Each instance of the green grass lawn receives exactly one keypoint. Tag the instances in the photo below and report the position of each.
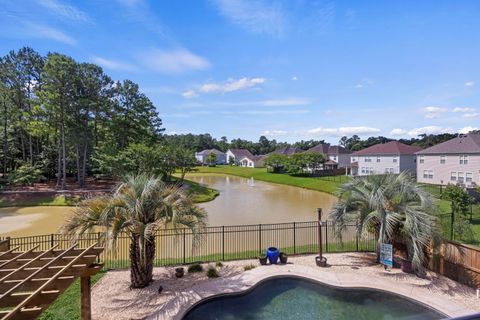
(67, 306)
(318, 184)
(200, 192)
(31, 200)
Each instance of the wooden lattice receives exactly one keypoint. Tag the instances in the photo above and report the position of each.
(30, 281)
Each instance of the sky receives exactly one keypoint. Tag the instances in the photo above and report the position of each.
(289, 70)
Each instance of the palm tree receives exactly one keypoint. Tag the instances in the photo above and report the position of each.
(139, 207)
(395, 208)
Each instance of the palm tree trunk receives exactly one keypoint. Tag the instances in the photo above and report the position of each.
(141, 274)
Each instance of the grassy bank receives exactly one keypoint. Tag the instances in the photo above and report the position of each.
(67, 306)
(33, 199)
(318, 184)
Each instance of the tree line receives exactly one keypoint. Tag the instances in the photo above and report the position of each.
(62, 117)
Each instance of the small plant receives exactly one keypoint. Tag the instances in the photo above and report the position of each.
(248, 267)
(219, 264)
(196, 267)
(212, 272)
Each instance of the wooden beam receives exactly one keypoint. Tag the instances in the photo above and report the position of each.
(86, 299)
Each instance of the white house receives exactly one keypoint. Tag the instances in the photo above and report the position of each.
(337, 156)
(202, 156)
(252, 162)
(383, 158)
(235, 155)
(456, 161)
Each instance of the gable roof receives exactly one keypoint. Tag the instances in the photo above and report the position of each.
(287, 150)
(328, 149)
(208, 151)
(392, 147)
(464, 143)
(240, 153)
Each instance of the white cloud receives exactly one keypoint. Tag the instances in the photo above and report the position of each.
(471, 115)
(463, 110)
(469, 84)
(231, 85)
(428, 130)
(66, 11)
(44, 32)
(189, 94)
(398, 132)
(285, 102)
(114, 64)
(274, 133)
(363, 83)
(336, 132)
(433, 112)
(173, 61)
(294, 78)
(259, 16)
(466, 130)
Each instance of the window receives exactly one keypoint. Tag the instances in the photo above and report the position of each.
(370, 170)
(354, 159)
(443, 159)
(453, 176)
(368, 159)
(378, 159)
(460, 177)
(468, 177)
(428, 174)
(395, 159)
(422, 159)
(363, 169)
(389, 170)
(463, 159)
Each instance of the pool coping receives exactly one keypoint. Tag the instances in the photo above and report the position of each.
(246, 281)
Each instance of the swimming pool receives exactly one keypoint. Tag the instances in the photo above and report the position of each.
(289, 298)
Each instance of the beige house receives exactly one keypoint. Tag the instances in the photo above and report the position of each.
(252, 161)
(384, 158)
(456, 161)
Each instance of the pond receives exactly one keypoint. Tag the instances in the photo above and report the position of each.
(241, 201)
(248, 201)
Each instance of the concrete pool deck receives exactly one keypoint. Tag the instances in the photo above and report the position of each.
(112, 299)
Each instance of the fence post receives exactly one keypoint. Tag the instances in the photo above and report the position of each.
(184, 245)
(51, 240)
(223, 243)
(260, 239)
(98, 242)
(356, 234)
(326, 236)
(294, 240)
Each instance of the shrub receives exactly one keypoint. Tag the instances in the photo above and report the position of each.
(26, 175)
(212, 272)
(219, 264)
(248, 267)
(196, 267)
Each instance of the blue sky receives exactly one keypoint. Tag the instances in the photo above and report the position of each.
(289, 70)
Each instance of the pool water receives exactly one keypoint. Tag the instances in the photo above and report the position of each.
(293, 298)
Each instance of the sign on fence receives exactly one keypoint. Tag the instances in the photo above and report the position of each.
(386, 254)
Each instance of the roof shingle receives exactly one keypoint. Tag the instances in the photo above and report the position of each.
(392, 147)
(464, 143)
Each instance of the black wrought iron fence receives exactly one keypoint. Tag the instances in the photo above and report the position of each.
(221, 243)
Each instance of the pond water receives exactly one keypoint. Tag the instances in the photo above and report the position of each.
(292, 298)
(248, 201)
(241, 201)
(23, 221)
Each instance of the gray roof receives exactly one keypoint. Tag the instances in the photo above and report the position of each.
(208, 151)
(240, 153)
(328, 149)
(464, 143)
(287, 151)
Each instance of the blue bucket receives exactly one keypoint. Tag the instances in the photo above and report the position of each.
(273, 254)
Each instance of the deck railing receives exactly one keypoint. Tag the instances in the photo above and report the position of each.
(218, 243)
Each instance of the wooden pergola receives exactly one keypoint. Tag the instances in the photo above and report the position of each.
(32, 280)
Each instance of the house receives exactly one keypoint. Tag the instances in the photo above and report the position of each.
(202, 156)
(236, 155)
(382, 158)
(337, 156)
(456, 161)
(252, 161)
(288, 151)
